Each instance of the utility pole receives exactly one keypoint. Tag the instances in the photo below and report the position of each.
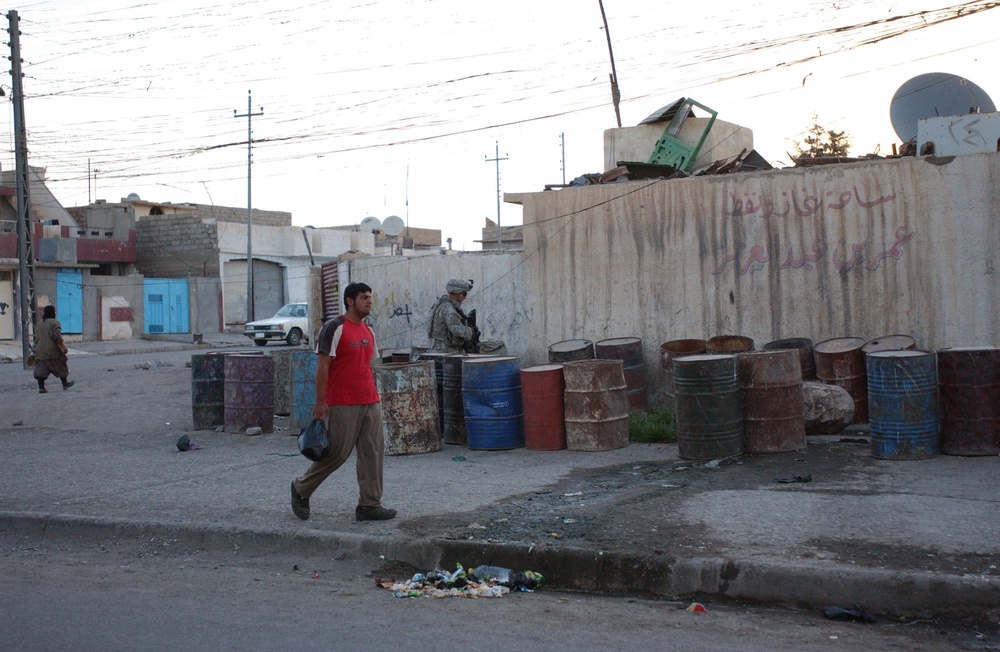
(25, 248)
(249, 115)
(616, 94)
(497, 160)
(562, 141)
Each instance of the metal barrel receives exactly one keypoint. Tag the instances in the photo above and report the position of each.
(542, 389)
(208, 378)
(629, 351)
(969, 391)
(804, 347)
(454, 413)
(903, 405)
(709, 411)
(569, 350)
(249, 392)
(282, 379)
(302, 390)
(596, 405)
(409, 407)
(438, 360)
(669, 351)
(400, 355)
(491, 395)
(771, 384)
(890, 343)
(726, 344)
(841, 362)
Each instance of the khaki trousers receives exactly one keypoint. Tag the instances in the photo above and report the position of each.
(351, 427)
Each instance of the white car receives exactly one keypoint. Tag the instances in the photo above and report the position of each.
(290, 324)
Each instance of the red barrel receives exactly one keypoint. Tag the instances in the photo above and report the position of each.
(841, 362)
(890, 343)
(729, 344)
(669, 351)
(804, 347)
(771, 383)
(542, 388)
(596, 405)
(629, 351)
(969, 386)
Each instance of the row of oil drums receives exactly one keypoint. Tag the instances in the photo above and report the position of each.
(917, 403)
(244, 390)
(487, 402)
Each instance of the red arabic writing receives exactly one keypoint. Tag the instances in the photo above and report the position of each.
(805, 205)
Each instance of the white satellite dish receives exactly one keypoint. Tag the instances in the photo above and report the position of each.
(371, 224)
(393, 225)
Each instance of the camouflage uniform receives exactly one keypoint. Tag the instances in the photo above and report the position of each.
(448, 332)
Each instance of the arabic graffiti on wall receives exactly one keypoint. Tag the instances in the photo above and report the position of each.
(387, 305)
(843, 254)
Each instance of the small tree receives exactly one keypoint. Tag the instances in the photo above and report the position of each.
(820, 141)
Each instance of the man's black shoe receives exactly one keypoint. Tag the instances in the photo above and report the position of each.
(68, 384)
(300, 505)
(374, 513)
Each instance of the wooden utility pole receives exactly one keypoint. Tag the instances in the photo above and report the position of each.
(497, 159)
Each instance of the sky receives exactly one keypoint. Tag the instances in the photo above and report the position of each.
(378, 108)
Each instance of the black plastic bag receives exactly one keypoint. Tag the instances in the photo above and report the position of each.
(314, 441)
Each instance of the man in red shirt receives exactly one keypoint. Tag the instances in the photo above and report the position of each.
(346, 397)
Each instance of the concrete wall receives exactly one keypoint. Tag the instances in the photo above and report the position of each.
(864, 250)
(177, 246)
(118, 307)
(206, 305)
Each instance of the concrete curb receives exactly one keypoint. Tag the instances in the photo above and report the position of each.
(915, 594)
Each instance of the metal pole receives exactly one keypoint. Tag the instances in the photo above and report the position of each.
(25, 248)
(562, 141)
(497, 159)
(616, 94)
(249, 116)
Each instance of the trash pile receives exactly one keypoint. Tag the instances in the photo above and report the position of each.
(481, 582)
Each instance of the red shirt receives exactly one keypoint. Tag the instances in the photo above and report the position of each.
(352, 349)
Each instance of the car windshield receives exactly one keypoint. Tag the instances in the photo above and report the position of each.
(292, 310)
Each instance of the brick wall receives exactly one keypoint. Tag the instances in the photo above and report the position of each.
(175, 246)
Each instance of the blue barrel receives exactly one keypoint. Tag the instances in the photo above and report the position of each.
(491, 398)
(903, 405)
(302, 389)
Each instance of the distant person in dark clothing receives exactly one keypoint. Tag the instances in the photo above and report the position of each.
(50, 351)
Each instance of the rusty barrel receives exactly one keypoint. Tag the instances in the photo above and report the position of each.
(903, 405)
(841, 362)
(669, 351)
(491, 395)
(542, 388)
(804, 347)
(208, 376)
(629, 351)
(969, 391)
(709, 411)
(302, 389)
(409, 407)
(400, 355)
(249, 392)
(438, 360)
(569, 350)
(282, 380)
(890, 343)
(596, 405)
(771, 386)
(454, 413)
(729, 344)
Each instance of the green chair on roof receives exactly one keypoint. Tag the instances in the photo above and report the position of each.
(671, 151)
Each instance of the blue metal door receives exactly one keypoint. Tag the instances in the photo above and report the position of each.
(165, 303)
(69, 300)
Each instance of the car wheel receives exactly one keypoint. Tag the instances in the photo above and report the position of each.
(294, 338)
(260, 342)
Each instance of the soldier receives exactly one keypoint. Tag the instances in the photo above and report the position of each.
(449, 331)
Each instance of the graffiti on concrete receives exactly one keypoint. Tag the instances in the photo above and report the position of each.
(388, 305)
(3, 308)
(844, 257)
(805, 204)
(521, 317)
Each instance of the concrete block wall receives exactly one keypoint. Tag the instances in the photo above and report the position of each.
(176, 246)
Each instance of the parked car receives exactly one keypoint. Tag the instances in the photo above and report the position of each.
(290, 324)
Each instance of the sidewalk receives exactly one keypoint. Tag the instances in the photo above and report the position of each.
(915, 538)
(10, 350)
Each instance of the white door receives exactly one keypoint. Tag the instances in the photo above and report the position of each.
(6, 305)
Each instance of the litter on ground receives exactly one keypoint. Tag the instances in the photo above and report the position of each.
(481, 582)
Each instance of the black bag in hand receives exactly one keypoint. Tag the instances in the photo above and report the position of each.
(314, 441)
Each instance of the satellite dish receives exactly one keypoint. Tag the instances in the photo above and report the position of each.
(371, 224)
(393, 225)
(133, 197)
(932, 95)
